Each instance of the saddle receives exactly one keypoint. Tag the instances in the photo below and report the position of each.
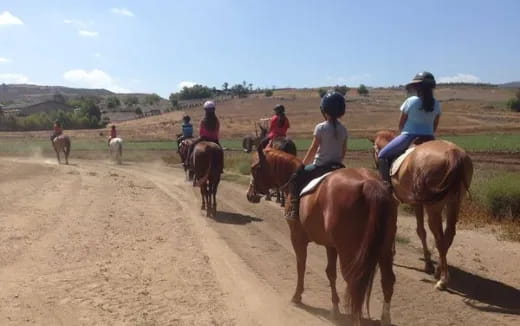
(323, 173)
(396, 163)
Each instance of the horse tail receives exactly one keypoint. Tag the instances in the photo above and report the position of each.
(360, 276)
(205, 177)
(456, 176)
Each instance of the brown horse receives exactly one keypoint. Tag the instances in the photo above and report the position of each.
(62, 144)
(434, 177)
(182, 149)
(208, 162)
(352, 213)
(286, 145)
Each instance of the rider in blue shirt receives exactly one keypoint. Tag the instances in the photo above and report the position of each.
(187, 129)
(419, 118)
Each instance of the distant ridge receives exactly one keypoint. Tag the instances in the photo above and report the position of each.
(35, 93)
(515, 84)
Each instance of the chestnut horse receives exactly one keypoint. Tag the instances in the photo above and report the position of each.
(61, 143)
(434, 177)
(352, 213)
(182, 149)
(208, 162)
(288, 146)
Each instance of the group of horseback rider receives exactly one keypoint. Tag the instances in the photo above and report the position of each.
(419, 117)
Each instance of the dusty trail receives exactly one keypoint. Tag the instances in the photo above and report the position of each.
(95, 243)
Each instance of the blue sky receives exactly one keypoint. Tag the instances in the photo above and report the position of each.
(158, 46)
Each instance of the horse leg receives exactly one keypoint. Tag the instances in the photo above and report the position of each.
(58, 156)
(435, 223)
(299, 243)
(65, 152)
(203, 196)
(387, 283)
(452, 213)
(332, 257)
(421, 232)
(278, 200)
(283, 199)
(268, 195)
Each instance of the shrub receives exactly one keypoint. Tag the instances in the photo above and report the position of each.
(362, 90)
(342, 89)
(514, 104)
(268, 93)
(322, 92)
(502, 195)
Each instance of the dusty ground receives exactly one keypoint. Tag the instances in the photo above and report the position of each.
(97, 244)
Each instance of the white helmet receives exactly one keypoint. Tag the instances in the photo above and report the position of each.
(209, 106)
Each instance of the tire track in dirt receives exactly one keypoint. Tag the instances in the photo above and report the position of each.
(259, 236)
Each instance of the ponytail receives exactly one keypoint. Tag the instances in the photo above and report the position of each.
(281, 119)
(210, 121)
(426, 95)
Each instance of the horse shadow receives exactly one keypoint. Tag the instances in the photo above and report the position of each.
(481, 293)
(235, 218)
(340, 319)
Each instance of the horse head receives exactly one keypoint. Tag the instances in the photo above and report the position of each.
(380, 140)
(259, 174)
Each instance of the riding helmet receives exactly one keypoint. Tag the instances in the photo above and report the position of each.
(423, 78)
(186, 118)
(279, 108)
(333, 103)
(209, 106)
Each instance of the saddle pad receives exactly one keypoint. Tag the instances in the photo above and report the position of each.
(399, 160)
(311, 186)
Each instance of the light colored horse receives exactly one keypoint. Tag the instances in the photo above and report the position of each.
(62, 144)
(116, 149)
(433, 178)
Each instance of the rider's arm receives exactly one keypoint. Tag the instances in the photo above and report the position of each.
(311, 152)
(402, 120)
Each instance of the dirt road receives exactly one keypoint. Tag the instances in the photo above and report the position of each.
(97, 244)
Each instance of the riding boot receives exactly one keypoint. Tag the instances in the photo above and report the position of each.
(292, 211)
(384, 169)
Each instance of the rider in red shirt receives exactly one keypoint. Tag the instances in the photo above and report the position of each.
(277, 126)
(113, 133)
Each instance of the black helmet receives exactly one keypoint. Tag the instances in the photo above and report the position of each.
(333, 103)
(279, 108)
(186, 118)
(423, 78)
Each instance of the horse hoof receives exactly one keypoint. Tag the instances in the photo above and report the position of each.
(441, 285)
(437, 274)
(429, 268)
(334, 313)
(296, 299)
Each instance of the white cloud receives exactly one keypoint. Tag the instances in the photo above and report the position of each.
(459, 78)
(185, 83)
(5, 60)
(13, 78)
(75, 22)
(93, 79)
(86, 33)
(122, 12)
(6, 18)
(97, 55)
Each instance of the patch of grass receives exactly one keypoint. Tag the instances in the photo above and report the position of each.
(487, 143)
(238, 162)
(502, 196)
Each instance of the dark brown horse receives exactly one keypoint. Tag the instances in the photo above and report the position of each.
(61, 143)
(434, 177)
(208, 163)
(352, 213)
(183, 148)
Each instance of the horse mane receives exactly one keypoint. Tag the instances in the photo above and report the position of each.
(281, 165)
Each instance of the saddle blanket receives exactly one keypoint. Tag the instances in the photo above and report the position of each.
(311, 186)
(398, 161)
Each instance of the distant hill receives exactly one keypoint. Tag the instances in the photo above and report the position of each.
(515, 84)
(24, 93)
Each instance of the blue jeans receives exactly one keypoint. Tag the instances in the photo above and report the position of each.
(397, 146)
